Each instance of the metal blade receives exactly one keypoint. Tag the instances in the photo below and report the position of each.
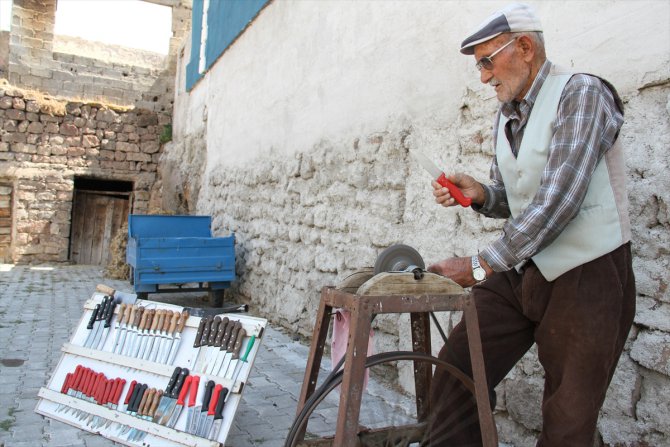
(216, 428)
(216, 365)
(175, 416)
(207, 426)
(426, 164)
(226, 362)
(231, 369)
(173, 351)
(155, 353)
(129, 345)
(193, 418)
(174, 391)
(98, 335)
(120, 340)
(143, 346)
(149, 347)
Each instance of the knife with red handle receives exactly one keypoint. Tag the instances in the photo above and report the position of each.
(441, 178)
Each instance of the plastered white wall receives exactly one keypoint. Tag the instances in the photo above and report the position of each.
(297, 141)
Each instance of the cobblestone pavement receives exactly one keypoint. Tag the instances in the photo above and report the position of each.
(40, 307)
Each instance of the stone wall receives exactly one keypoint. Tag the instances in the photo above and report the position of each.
(45, 144)
(302, 152)
(69, 68)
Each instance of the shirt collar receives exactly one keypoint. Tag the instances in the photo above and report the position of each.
(513, 108)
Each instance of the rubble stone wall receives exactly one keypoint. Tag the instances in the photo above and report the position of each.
(45, 144)
(311, 169)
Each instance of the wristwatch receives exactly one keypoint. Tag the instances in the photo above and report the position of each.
(478, 271)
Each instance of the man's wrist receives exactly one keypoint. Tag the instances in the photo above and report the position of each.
(478, 271)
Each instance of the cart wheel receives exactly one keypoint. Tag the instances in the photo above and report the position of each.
(216, 297)
(387, 417)
(142, 295)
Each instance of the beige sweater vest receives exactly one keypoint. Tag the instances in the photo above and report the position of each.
(601, 224)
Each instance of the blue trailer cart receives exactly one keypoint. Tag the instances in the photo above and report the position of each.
(174, 251)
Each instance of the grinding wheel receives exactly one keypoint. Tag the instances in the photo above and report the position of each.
(398, 258)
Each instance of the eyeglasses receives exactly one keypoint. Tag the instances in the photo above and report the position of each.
(487, 61)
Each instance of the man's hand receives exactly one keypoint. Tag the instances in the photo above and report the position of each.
(459, 270)
(468, 185)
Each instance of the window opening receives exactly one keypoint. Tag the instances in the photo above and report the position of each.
(131, 23)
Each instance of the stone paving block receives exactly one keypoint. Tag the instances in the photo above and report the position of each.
(15, 443)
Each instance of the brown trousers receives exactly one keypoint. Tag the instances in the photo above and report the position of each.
(579, 321)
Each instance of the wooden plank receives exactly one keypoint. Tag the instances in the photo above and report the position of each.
(351, 283)
(396, 283)
(77, 226)
(107, 231)
(98, 229)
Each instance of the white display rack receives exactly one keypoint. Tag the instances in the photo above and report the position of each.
(89, 416)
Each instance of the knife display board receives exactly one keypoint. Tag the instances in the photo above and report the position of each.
(106, 408)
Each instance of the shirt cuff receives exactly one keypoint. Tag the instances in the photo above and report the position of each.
(486, 208)
(499, 257)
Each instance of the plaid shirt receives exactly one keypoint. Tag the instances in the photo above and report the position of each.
(586, 126)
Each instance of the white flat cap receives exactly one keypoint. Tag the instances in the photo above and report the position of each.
(513, 18)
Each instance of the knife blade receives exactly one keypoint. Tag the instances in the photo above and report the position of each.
(77, 389)
(115, 401)
(243, 360)
(229, 348)
(119, 325)
(133, 405)
(201, 338)
(145, 404)
(131, 389)
(156, 324)
(235, 358)
(128, 318)
(151, 410)
(195, 384)
(173, 397)
(213, 349)
(162, 335)
(139, 311)
(145, 332)
(438, 175)
(218, 342)
(91, 325)
(100, 322)
(166, 395)
(176, 341)
(102, 398)
(218, 415)
(209, 419)
(140, 333)
(179, 406)
(201, 410)
(109, 314)
(223, 345)
(65, 388)
(208, 350)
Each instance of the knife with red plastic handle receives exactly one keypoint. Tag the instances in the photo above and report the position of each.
(441, 178)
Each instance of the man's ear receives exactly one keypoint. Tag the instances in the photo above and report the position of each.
(527, 47)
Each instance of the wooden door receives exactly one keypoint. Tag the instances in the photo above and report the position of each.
(96, 218)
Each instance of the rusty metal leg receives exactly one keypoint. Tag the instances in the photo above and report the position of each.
(423, 372)
(315, 352)
(346, 434)
(486, 423)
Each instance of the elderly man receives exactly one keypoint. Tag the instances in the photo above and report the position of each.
(560, 275)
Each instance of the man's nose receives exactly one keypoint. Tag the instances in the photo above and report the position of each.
(485, 76)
